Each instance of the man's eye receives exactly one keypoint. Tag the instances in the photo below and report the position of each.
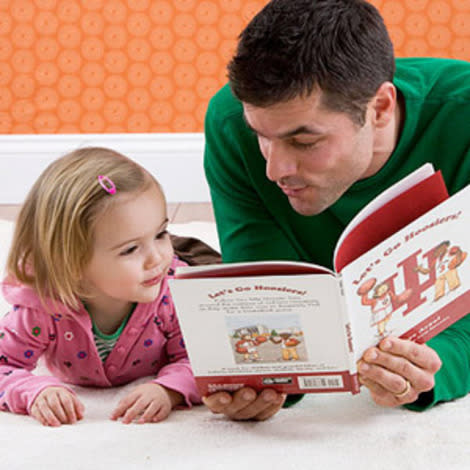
(161, 235)
(302, 145)
(128, 251)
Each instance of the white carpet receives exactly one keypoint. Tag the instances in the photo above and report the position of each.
(321, 432)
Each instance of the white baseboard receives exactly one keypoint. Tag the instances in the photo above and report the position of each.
(174, 159)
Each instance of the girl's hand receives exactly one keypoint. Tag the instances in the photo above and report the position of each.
(55, 406)
(149, 403)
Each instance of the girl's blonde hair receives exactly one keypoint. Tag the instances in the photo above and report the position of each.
(53, 239)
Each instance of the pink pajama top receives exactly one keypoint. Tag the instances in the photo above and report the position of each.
(151, 344)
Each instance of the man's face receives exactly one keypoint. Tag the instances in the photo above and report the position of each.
(312, 153)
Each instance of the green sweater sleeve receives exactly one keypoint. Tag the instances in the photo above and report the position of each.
(453, 378)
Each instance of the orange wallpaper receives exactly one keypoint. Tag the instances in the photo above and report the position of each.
(94, 66)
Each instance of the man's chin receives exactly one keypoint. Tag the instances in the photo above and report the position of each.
(314, 202)
(307, 208)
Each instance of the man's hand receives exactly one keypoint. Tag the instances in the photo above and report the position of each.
(147, 403)
(398, 370)
(246, 404)
(55, 406)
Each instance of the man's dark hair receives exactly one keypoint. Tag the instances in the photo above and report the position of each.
(293, 46)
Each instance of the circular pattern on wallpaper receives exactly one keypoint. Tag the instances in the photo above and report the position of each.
(96, 66)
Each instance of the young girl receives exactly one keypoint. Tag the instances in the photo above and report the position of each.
(87, 277)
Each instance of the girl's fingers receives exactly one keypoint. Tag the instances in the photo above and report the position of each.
(47, 414)
(150, 413)
(54, 402)
(123, 406)
(72, 408)
(133, 411)
(162, 414)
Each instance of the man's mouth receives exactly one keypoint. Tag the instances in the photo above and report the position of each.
(292, 191)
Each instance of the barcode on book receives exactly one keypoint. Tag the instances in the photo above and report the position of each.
(321, 381)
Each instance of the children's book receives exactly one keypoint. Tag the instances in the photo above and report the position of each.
(400, 268)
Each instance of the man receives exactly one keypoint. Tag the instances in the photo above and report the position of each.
(319, 119)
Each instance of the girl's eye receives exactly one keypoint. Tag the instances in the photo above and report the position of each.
(128, 251)
(161, 235)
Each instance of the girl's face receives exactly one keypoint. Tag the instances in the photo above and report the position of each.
(132, 252)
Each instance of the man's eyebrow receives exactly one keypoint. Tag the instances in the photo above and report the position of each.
(287, 134)
(300, 130)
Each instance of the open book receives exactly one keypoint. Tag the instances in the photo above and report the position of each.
(401, 268)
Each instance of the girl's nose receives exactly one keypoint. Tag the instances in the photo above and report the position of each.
(153, 257)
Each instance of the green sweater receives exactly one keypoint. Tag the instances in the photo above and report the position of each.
(256, 222)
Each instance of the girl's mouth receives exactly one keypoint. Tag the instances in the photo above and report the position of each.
(152, 281)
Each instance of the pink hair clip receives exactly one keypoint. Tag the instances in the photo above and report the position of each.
(107, 184)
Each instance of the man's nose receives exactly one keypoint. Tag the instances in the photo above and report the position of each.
(279, 163)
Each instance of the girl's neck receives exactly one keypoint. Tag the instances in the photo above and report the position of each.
(108, 316)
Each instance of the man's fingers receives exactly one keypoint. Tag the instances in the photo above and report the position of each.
(272, 409)
(391, 370)
(243, 404)
(217, 402)
(398, 370)
(264, 404)
(246, 404)
(384, 397)
(420, 355)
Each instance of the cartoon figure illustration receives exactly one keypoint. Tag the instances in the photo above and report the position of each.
(446, 261)
(383, 303)
(248, 346)
(288, 343)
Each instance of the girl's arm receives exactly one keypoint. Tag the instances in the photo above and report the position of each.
(177, 374)
(24, 337)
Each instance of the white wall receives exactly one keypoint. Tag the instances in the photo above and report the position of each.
(174, 159)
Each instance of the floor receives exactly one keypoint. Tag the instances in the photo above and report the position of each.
(178, 213)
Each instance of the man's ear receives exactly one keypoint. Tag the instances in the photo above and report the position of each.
(384, 104)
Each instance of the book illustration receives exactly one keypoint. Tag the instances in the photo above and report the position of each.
(383, 303)
(444, 264)
(247, 341)
(270, 339)
(289, 344)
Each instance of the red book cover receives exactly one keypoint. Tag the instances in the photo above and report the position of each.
(390, 218)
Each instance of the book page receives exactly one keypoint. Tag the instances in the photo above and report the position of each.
(276, 327)
(254, 268)
(415, 283)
